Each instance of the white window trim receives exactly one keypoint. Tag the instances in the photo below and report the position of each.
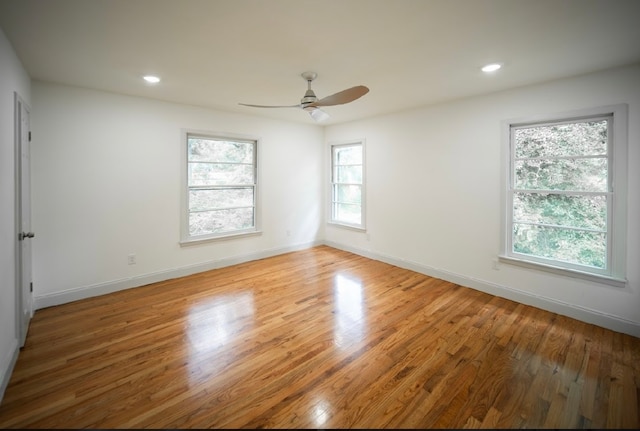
(185, 238)
(358, 227)
(616, 274)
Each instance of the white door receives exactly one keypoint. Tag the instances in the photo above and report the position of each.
(23, 190)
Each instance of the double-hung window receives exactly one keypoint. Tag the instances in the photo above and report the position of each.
(221, 183)
(347, 184)
(566, 192)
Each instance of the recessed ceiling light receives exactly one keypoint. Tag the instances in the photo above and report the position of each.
(151, 79)
(491, 67)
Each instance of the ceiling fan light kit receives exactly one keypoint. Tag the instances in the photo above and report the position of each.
(318, 114)
(312, 104)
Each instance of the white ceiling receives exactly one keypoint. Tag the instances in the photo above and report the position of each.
(409, 53)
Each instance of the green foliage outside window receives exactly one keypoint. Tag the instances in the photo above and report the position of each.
(560, 191)
(221, 181)
(347, 178)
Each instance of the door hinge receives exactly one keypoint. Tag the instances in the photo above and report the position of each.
(31, 287)
(29, 136)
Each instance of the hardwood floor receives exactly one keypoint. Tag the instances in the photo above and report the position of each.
(319, 338)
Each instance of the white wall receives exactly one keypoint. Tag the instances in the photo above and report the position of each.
(106, 183)
(433, 194)
(13, 78)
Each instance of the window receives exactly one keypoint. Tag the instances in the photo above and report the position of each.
(221, 184)
(566, 192)
(347, 184)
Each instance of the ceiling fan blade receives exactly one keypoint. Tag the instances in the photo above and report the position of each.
(318, 114)
(269, 106)
(345, 96)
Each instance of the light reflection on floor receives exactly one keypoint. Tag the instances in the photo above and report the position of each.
(349, 324)
(321, 412)
(214, 322)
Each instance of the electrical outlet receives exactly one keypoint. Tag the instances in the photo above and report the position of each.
(496, 264)
(131, 259)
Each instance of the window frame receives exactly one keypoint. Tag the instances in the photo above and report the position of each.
(331, 219)
(615, 273)
(185, 237)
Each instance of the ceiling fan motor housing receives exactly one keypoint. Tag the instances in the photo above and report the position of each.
(309, 97)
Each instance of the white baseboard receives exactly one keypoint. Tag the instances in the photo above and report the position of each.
(595, 317)
(48, 300)
(7, 365)
(584, 314)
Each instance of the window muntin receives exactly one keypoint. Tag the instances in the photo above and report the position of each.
(347, 184)
(583, 192)
(221, 186)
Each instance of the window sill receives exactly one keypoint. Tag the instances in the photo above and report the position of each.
(596, 278)
(196, 241)
(347, 226)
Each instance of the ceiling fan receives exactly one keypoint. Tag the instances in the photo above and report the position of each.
(312, 104)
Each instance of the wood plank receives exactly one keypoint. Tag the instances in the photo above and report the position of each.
(319, 338)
